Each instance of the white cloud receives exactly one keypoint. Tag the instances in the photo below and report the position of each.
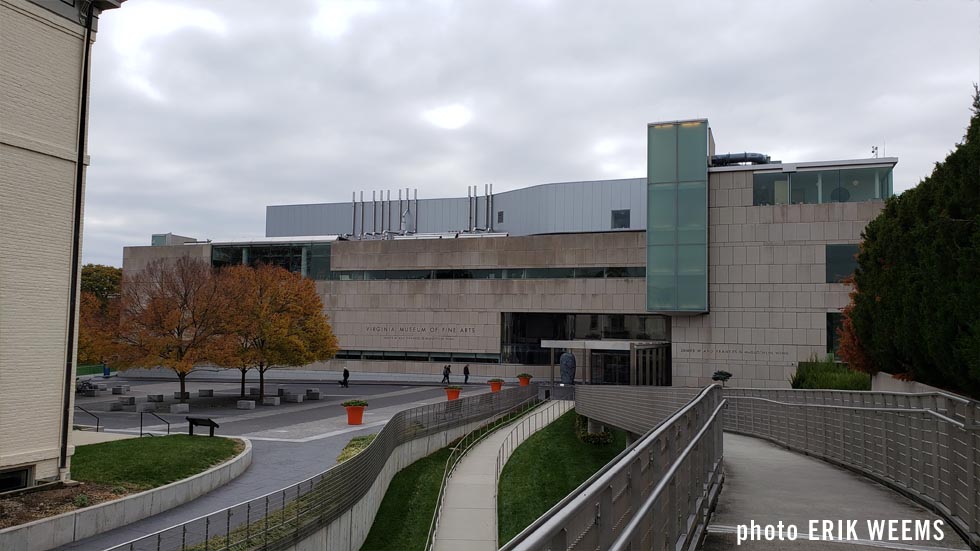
(334, 17)
(140, 36)
(450, 117)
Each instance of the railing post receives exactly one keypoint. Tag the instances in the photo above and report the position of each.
(604, 518)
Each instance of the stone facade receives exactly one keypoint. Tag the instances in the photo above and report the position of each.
(768, 293)
(41, 54)
(465, 315)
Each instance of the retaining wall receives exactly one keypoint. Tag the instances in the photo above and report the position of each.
(348, 532)
(66, 528)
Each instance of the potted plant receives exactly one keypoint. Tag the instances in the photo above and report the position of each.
(495, 384)
(452, 392)
(355, 411)
(525, 378)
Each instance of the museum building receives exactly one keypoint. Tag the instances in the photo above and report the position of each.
(711, 262)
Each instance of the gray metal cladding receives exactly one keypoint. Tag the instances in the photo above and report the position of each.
(569, 207)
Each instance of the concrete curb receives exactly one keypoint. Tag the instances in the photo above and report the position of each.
(66, 528)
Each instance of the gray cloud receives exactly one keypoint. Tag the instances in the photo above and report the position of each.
(203, 114)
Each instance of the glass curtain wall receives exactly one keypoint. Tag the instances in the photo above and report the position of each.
(677, 217)
(846, 185)
(521, 333)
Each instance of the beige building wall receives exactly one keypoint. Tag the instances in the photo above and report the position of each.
(464, 315)
(135, 259)
(40, 80)
(768, 295)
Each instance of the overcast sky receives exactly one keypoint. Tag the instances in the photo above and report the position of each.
(203, 113)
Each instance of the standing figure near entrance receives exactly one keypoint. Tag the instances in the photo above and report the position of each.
(567, 364)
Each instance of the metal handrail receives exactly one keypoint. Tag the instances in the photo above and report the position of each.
(142, 413)
(592, 497)
(280, 519)
(465, 444)
(628, 533)
(925, 445)
(97, 420)
(508, 446)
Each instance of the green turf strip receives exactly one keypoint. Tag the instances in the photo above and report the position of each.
(545, 469)
(144, 463)
(402, 523)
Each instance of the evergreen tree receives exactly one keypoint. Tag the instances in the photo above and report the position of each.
(915, 311)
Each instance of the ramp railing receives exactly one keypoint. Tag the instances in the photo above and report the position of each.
(926, 446)
(658, 493)
(282, 519)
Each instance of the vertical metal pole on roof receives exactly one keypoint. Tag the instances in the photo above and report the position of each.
(399, 213)
(353, 221)
(362, 214)
(389, 210)
(416, 210)
(374, 212)
(486, 199)
(469, 208)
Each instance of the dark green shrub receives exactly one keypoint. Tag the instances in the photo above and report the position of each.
(830, 375)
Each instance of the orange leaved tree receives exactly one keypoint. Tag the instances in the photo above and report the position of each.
(172, 316)
(274, 319)
(97, 324)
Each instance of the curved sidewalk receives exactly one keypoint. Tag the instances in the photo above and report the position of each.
(767, 484)
(469, 510)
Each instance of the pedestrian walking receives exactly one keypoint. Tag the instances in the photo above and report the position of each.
(345, 383)
(445, 374)
(466, 374)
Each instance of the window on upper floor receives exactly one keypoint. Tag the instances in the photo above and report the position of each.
(846, 185)
(841, 261)
(500, 217)
(620, 219)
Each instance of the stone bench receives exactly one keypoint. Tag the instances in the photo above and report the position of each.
(115, 406)
(270, 401)
(205, 393)
(102, 386)
(128, 400)
(182, 395)
(154, 397)
(90, 392)
(312, 395)
(294, 398)
(117, 390)
(180, 408)
(246, 404)
(145, 406)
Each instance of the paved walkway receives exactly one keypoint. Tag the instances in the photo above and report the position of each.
(469, 511)
(767, 484)
(289, 444)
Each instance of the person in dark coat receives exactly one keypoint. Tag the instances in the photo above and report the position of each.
(445, 374)
(345, 383)
(466, 374)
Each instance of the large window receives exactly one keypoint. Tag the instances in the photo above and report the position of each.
(521, 333)
(821, 186)
(841, 262)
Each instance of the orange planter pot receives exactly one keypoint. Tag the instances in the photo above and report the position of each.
(495, 387)
(355, 415)
(525, 381)
(452, 393)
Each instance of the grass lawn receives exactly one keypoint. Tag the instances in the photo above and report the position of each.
(402, 523)
(545, 469)
(144, 463)
(355, 446)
